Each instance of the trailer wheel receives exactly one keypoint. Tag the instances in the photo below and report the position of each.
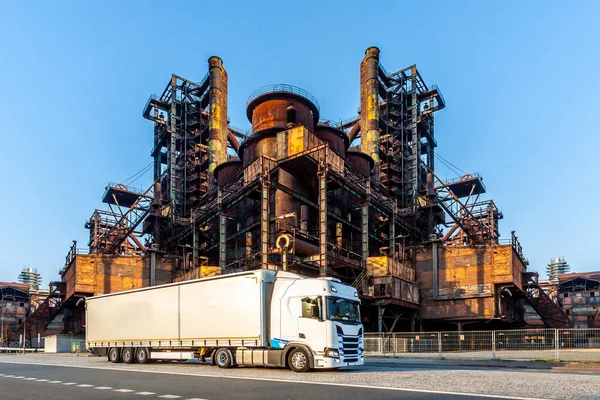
(114, 355)
(298, 360)
(141, 355)
(128, 355)
(223, 358)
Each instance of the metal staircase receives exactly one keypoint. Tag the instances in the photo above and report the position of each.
(550, 312)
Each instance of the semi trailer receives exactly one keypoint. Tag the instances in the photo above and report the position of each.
(257, 318)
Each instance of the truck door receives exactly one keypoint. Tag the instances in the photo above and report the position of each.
(310, 324)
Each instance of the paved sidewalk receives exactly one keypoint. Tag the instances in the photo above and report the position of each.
(482, 363)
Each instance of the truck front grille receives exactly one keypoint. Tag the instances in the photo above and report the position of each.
(350, 347)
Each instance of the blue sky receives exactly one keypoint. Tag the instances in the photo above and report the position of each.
(519, 79)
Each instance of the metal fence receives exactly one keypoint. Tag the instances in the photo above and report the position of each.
(581, 345)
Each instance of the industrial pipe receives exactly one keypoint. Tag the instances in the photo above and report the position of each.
(217, 117)
(353, 132)
(369, 105)
(233, 141)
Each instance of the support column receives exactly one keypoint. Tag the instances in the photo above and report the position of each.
(434, 262)
(152, 268)
(264, 223)
(365, 226)
(380, 311)
(172, 151)
(323, 269)
(222, 233)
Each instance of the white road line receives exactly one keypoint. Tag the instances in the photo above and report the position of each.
(124, 390)
(102, 387)
(85, 385)
(169, 396)
(42, 380)
(144, 393)
(54, 381)
(9, 376)
(31, 379)
(69, 383)
(19, 377)
(197, 399)
(495, 396)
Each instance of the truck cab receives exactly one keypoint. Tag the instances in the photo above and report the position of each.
(320, 313)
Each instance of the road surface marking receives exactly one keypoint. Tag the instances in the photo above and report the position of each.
(69, 383)
(124, 390)
(102, 387)
(54, 381)
(85, 385)
(169, 396)
(145, 393)
(9, 376)
(31, 379)
(196, 399)
(278, 380)
(41, 380)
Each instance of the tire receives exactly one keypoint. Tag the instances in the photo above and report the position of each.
(142, 355)
(114, 355)
(223, 358)
(298, 360)
(128, 355)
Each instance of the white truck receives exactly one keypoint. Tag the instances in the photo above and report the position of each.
(256, 318)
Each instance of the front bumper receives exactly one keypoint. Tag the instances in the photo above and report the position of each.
(328, 362)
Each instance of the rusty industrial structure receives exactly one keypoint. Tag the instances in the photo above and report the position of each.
(577, 294)
(359, 200)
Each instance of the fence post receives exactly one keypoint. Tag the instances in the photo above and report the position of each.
(394, 349)
(493, 345)
(380, 344)
(439, 334)
(556, 346)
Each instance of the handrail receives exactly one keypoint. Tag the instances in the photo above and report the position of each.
(284, 88)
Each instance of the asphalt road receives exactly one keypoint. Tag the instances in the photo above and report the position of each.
(30, 381)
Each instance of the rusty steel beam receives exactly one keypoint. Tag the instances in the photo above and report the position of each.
(218, 131)
(369, 105)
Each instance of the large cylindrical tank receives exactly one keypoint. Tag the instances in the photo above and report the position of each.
(227, 171)
(277, 106)
(336, 138)
(361, 162)
(272, 109)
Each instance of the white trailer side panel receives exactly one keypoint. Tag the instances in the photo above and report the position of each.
(221, 308)
(134, 316)
(213, 310)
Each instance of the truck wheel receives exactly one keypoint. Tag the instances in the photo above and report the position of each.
(128, 355)
(114, 355)
(223, 358)
(298, 360)
(141, 355)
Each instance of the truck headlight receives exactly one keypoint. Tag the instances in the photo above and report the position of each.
(333, 353)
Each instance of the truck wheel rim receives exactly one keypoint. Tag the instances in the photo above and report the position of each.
(223, 358)
(299, 360)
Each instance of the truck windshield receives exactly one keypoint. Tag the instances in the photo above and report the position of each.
(344, 310)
